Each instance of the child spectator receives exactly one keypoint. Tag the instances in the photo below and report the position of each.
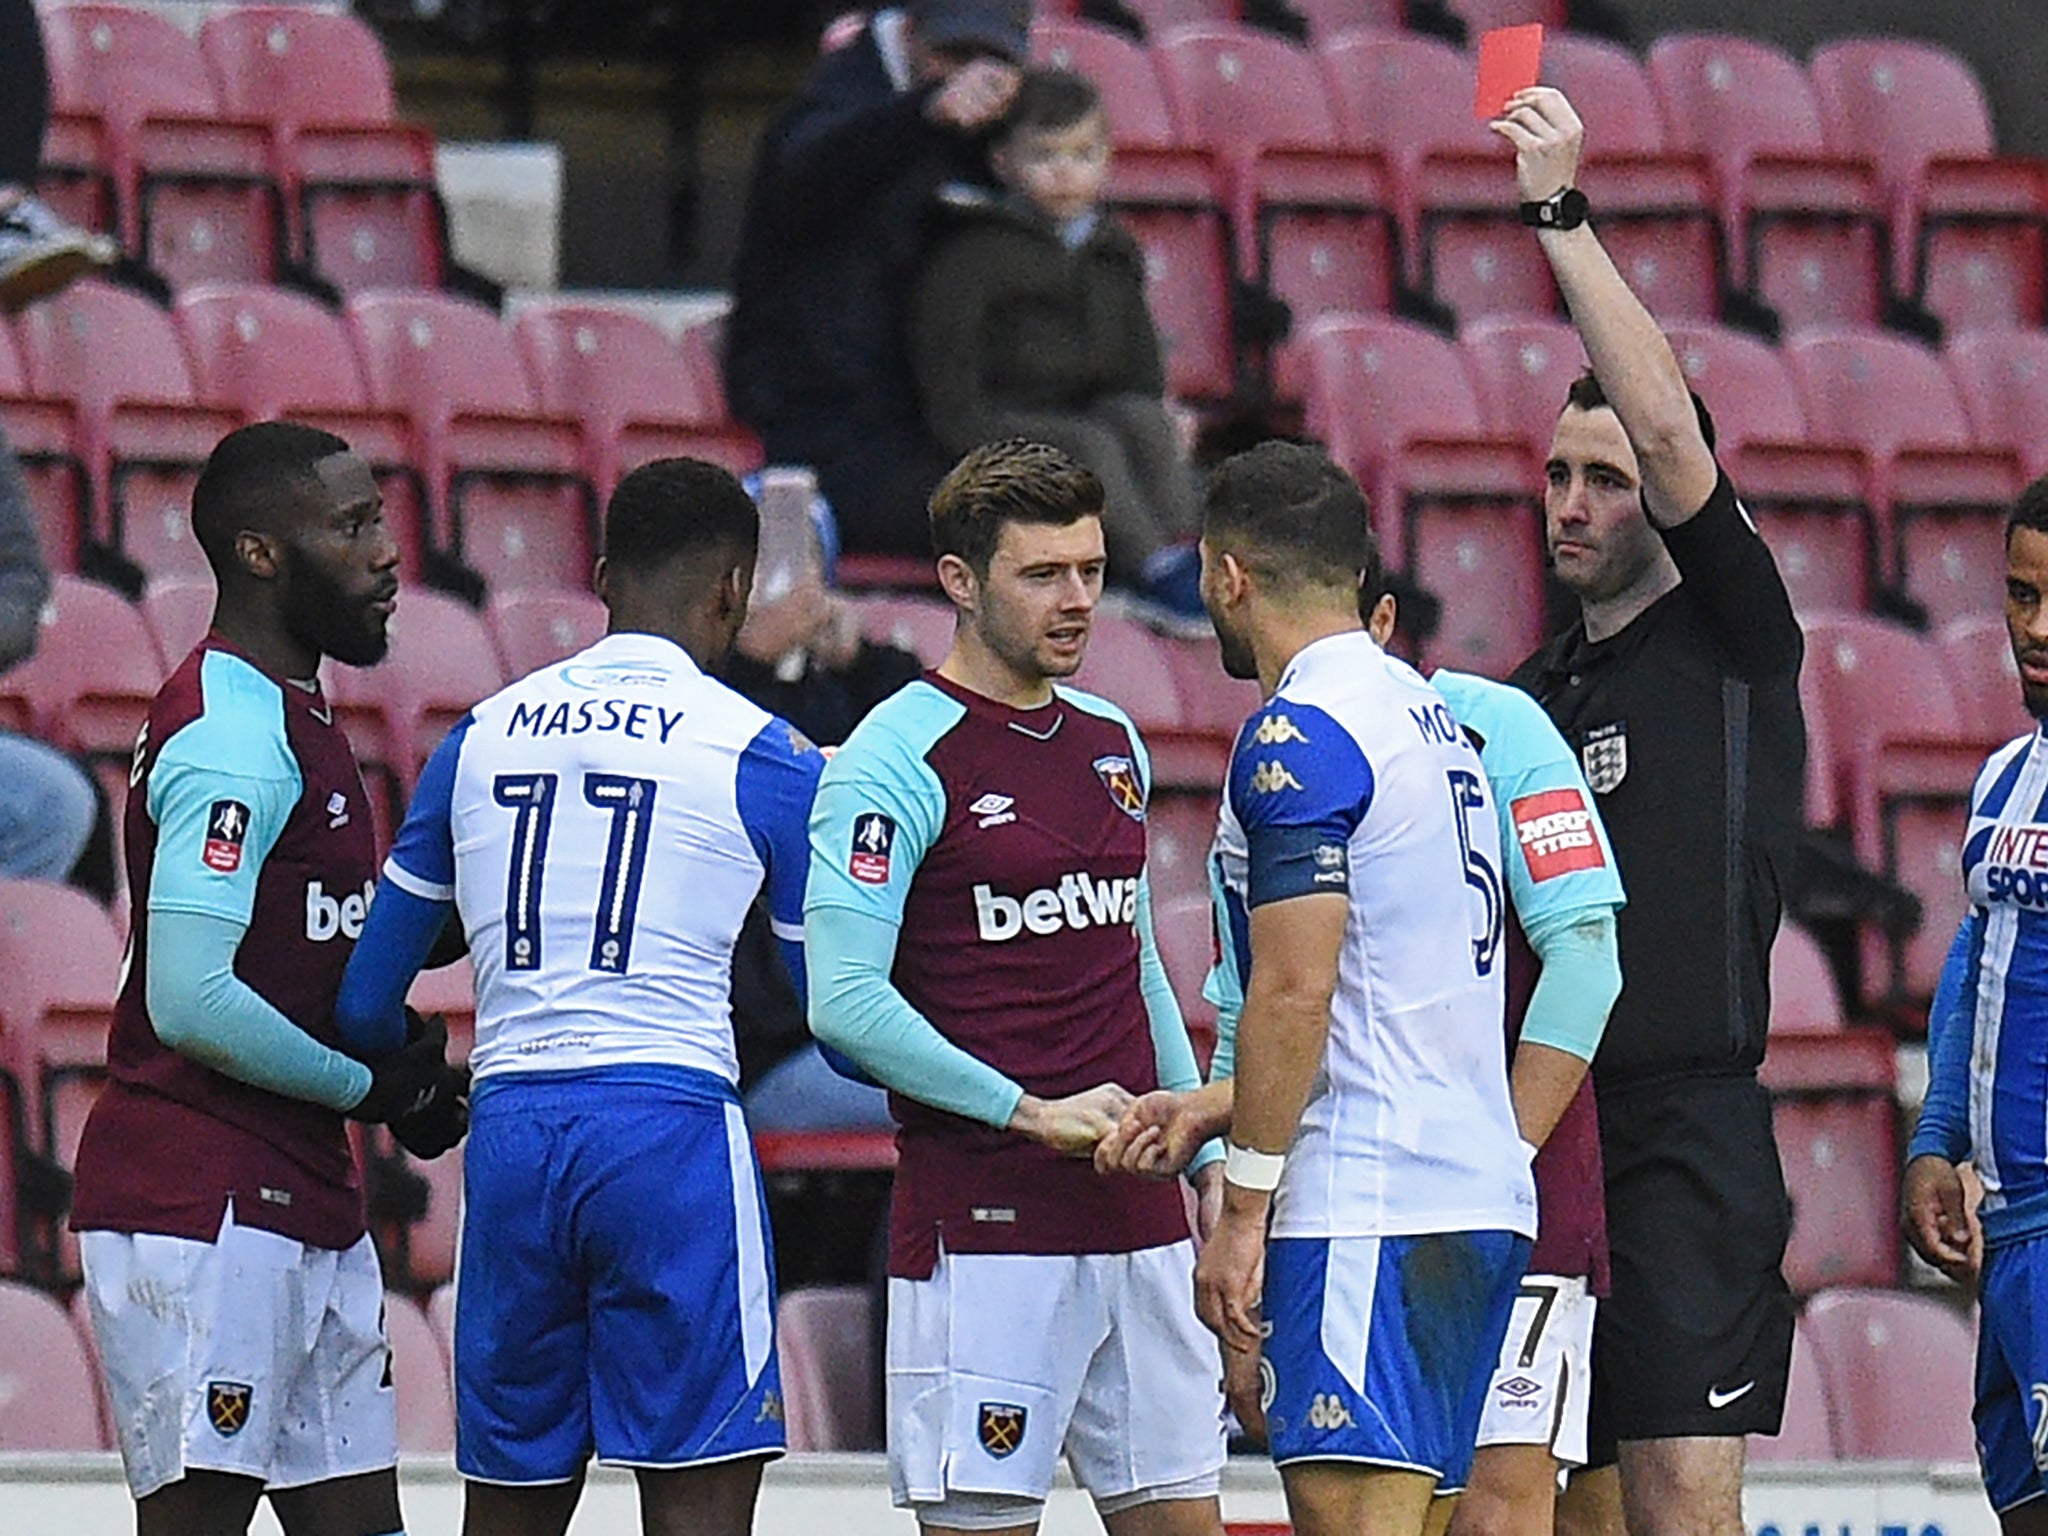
(1030, 321)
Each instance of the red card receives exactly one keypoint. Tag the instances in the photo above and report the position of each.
(1509, 60)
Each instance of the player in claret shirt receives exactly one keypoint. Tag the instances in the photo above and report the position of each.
(233, 1289)
(980, 939)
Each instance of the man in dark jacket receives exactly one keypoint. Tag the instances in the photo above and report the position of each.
(1030, 321)
(846, 176)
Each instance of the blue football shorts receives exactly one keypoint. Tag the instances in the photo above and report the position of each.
(2012, 1372)
(615, 1291)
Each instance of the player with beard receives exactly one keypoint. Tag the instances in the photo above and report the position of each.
(980, 942)
(232, 1286)
(1987, 1090)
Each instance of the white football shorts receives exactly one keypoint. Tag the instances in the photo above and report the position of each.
(252, 1354)
(1001, 1362)
(1544, 1383)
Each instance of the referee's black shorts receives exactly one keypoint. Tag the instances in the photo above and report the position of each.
(1696, 1337)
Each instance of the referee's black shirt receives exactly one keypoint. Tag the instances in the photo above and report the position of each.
(1688, 725)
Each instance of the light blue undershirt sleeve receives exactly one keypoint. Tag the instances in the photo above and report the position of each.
(202, 1009)
(1580, 980)
(1224, 985)
(879, 807)
(775, 784)
(1171, 1048)
(1944, 1128)
(412, 906)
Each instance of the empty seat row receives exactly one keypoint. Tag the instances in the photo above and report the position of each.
(1326, 18)
(267, 137)
(1341, 175)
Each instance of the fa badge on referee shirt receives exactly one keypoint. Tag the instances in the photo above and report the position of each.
(1604, 755)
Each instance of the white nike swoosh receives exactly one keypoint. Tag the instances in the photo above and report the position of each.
(1719, 1399)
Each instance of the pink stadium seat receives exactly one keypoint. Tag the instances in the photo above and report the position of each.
(826, 1337)
(1122, 72)
(1409, 98)
(1744, 382)
(430, 1242)
(1805, 225)
(441, 663)
(1179, 828)
(366, 202)
(1523, 368)
(178, 614)
(94, 671)
(1185, 929)
(1170, 202)
(1898, 1373)
(2003, 379)
(62, 957)
(1471, 524)
(1977, 653)
(535, 629)
(155, 454)
(48, 446)
(441, 1313)
(1808, 1433)
(1159, 15)
(265, 350)
(419, 1370)
(918, 625)
(522, 508)
(1967, 227)
(1377, 384)
(76, 177)
(434, 356)
(1126, 664)
(48, 1397)
(1327, 18)
(1803, 1000)
(1940, 500)
(1811, 1049)
(291, 64)
(1840, 1153)
(1209, 699)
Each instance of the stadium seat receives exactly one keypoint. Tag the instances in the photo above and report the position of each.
(2003, 379)
(1805, 225)
(1977, 654)
(48, 1398)
(367, 205)
(1125, 663)
(47, 444)
(1210, 700)
(1812, 505)
(75, 178)
(1471, 521)
(178, 614)
(1409, 98)
(419, 1372)
(1523, 368)
(1803, 1000)
(1655, 202)
(1898, 1373)
(1808, 1433)
(1327, 18)
(1840, 1153)
(94, 671)
(441, 1313)
(1940, 500)
(1315, 221)
(265, 350)
(60, 956)
(1811, 1048)
(825, 1335)
(1967, 227)
(433, 356)
(294, 64)
(1122, 72)
(915, 624)
(1180, 826)
(1744, 382)
(441, 662)
(534, 629)
(1159, 15)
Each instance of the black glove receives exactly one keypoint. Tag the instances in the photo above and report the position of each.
(406, 1079)
(441, 1121)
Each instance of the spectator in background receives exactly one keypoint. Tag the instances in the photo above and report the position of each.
(39, 253)
(815, 358)
(47, 803)
(1030, 321)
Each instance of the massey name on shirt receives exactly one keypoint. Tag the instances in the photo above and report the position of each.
(2016, 866)
(641, 721)
(1078, 901)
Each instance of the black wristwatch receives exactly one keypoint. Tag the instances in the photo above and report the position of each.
(1561, 210)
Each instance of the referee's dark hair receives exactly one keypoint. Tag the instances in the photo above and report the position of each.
(254, 476)
(1291, 514)
(1587, 394)
(1011, 481)
(679, 509)
(2031, 510)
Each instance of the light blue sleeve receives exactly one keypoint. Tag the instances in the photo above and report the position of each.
(1224, 987)
(1944, 1128)
(879, 807)
(412, 906)
(775, 784)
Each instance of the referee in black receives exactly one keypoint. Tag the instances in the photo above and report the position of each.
(1679, 686)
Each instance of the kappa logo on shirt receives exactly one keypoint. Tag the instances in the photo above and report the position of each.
(873, 836)
(1278, 730)
(227, 824)
(1271, 778)
(1555, 829)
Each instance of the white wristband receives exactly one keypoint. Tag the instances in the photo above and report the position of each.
(1248, 1169)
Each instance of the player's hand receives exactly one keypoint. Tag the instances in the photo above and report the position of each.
(1073, 1125)
(1935, 1213)
(1244, 1388)
(405, 1080)
(1208, 1184)
(1548, 138)
(1162, 1131)
(441, 1121)
(1231, 1272)
(974, 95)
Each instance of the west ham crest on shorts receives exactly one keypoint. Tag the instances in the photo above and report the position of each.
(1604, 756)
(227, 1407)
(1120, 778)
(1001, 1428)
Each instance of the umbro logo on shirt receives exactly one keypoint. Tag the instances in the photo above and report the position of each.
(337, 810)
(994, 810)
